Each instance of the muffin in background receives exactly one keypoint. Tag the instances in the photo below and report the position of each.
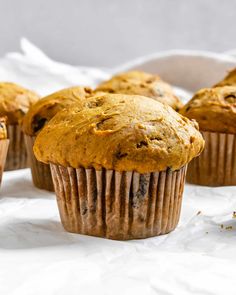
(4, 143)
(118, 164)
(229, 80)
(144, 84)
(39, 115)
(215, 111)
(14, 103)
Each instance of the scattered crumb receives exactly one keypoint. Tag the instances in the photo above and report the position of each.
(200, 212)
(229, 227)
(234, 214)
(206, 232)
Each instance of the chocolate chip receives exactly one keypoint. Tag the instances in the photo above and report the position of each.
(84, 210)
(140, 194)
(141, 144)
(188, 108)
(192, 138)
(143, 185)
(119, 155)
(155, 138)
(38, 123)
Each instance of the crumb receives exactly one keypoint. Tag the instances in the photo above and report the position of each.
(221, 226)
(234, 214)
(229, 227)
(206, 232)
(199, 212)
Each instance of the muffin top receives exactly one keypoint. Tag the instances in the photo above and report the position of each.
(3, 129)
(141, 83)
(214, 109)
(46, 108)
(229, 80)
(121, 132)
(15, 101)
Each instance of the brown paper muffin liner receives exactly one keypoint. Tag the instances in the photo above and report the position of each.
(216, 166)
(118, 205)
(41, 173)
(16, 156)
(4, 144)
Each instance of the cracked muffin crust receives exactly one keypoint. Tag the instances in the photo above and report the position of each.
(120, 132)
(144, 84)
(15, 101)
(214, 109)
(42, 111)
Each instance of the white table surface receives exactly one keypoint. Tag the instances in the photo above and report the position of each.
(37, 256)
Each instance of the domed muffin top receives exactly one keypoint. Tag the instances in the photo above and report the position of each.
(42, 111)
(120, 132)
(141, 83)
(15, 101)
(214, 109)
(229, 80)
(3, 129)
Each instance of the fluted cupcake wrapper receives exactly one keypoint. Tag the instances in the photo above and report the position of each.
(41, 173)
(4, 144)
(216, 166)
(16, 156)
(118, 205)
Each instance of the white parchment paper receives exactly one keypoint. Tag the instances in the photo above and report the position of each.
(38, 257)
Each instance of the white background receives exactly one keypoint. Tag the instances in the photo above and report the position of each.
(110, 32)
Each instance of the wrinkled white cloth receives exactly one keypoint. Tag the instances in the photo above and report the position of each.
(38, 257)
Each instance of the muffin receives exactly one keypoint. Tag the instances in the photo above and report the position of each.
(229, 80)
(215, 111)
(118, 165)
(4, 143)
(141, 83)
(39, 115)
(14, 103)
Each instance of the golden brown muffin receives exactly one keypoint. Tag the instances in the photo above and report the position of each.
(214, 109)
(42, 111)
(113, 159)
(15, 101)
(229, 80)
(3, 129)
(141, 83)
(39, 115)
(120, 132)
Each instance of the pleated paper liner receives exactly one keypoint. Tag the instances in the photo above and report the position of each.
(118, 205)
(4, 144)
(41, 173)
(17, 156)
(216, 166)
